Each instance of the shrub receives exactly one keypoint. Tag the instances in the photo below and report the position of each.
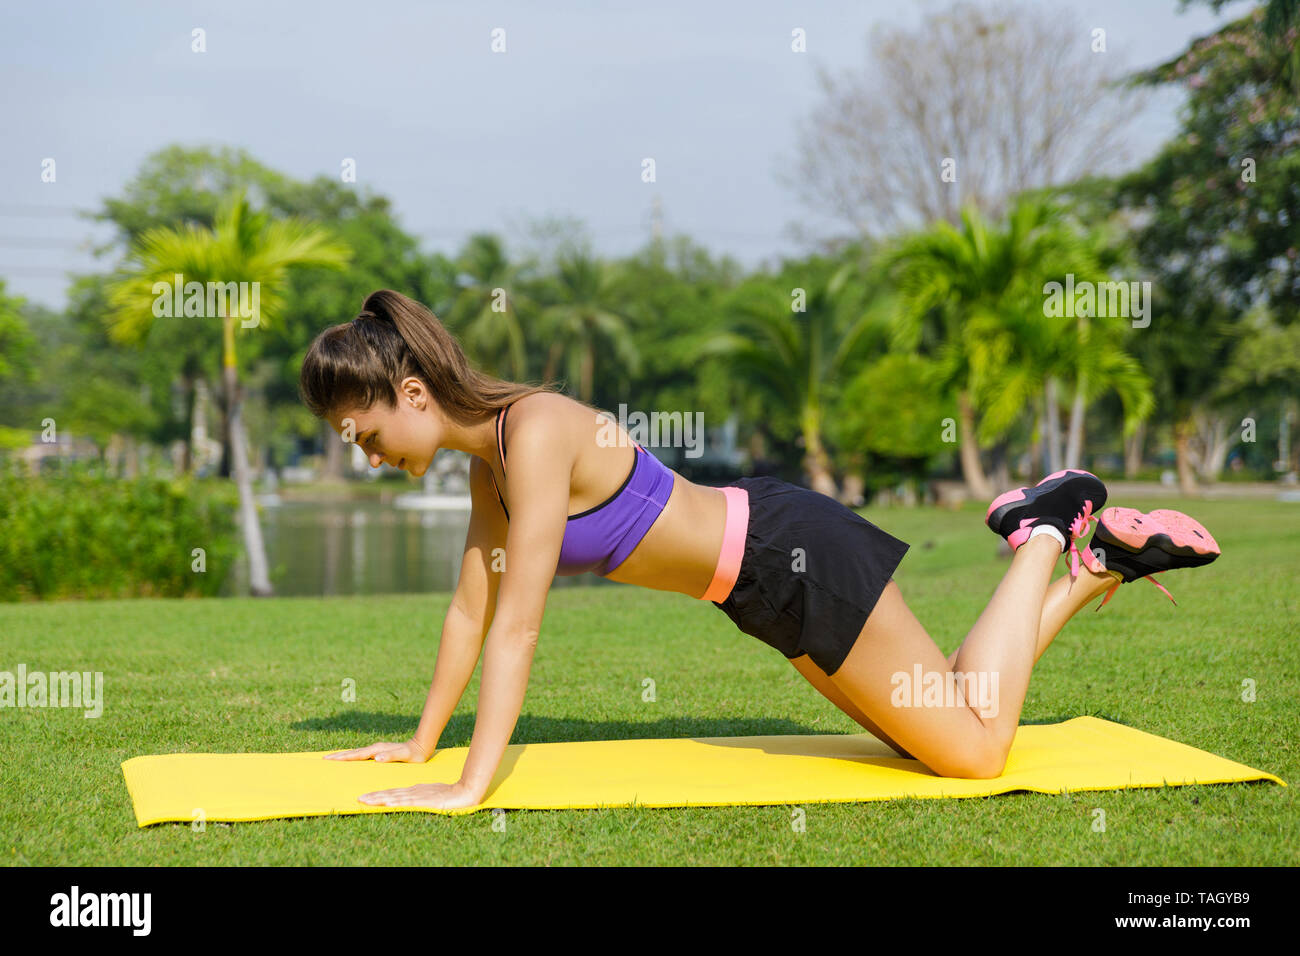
(80, 533)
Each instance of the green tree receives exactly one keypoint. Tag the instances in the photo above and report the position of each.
(245, 247)
(672, 292)
(975, 300)
(795, 338)
(888, 415)
(585, 318)
(485, 314)
(17, 365)
(955, 284)
(1262, 372)
(175, 187)
(1221, 210)
(180, 186)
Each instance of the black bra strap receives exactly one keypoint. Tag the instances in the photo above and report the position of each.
(501, 452)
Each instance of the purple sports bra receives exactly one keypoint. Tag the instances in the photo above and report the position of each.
(600, 538)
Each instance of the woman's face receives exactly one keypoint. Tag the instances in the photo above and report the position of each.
(405, 437)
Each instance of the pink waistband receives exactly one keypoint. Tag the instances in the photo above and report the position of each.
(733, 545)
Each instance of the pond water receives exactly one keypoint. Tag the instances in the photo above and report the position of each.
(362, 546)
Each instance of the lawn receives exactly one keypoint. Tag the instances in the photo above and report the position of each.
(234, 675)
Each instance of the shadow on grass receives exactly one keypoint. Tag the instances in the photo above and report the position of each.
(545, 730)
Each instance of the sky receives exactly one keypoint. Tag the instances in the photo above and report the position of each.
(463, 139)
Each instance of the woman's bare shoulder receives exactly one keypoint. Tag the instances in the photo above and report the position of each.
(553, 410)
(550, 418)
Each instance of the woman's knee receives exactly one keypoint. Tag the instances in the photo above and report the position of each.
(981, 761)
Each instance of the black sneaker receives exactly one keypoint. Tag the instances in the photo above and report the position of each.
(1065, 501)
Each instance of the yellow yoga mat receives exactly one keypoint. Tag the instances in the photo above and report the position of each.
(1085, 753)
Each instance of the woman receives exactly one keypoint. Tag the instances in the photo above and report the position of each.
(553, 494)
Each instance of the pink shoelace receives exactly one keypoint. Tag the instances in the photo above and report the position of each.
(1150, 577)
(1078, 529)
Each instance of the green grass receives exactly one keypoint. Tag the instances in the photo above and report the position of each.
(264, 675)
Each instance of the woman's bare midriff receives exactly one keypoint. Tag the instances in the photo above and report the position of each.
(680, 551)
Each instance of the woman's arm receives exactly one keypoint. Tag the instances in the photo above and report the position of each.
(458, 651)
(541, 461)
(471, 610)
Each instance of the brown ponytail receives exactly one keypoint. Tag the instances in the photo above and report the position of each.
(359, 363)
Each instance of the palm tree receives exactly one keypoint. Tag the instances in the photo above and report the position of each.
(1104, 365)
(485, 313)
(1018, 355)
(586, 319)
(244, 247)
(795, 357)
(973, 299)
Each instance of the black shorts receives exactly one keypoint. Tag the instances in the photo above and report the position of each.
(811, 573)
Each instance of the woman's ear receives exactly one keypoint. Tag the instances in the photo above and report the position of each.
(413, 392)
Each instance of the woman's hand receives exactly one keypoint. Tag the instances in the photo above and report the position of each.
(440, 796)
(383, 752)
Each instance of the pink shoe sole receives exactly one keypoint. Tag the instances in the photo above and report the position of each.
(1136, 529)
(1003, 499)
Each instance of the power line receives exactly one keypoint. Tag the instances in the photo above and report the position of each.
(39, 242)
(32, 209)
(34, 271)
